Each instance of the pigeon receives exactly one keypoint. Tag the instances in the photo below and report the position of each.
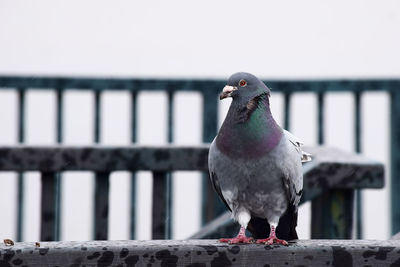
(256, 166)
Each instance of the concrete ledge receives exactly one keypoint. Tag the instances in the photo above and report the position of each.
(197, 253)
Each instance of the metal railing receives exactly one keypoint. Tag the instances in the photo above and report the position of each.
(329, 181)
(53, 160)
(209, 90)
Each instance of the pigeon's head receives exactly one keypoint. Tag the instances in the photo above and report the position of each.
(245, 86)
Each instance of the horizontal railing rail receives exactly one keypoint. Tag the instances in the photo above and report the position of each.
(337, 253)
(209, 89)
(100, 158)
(332, 171)
(139, 84)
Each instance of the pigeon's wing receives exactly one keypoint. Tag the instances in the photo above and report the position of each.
(213, 174)
(293, 181)
(304, 156)
(217, 188)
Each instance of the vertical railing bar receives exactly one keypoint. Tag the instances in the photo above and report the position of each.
(170, 116)
(357, 143)
(101, 181)
(134, 110)
(97, 111)
(48, 207)
(58, 175)
(20, 184)
(169, 185)
(357, 121)
(320, 119)
(159, 202)
(101, 210)
(133, 174)
(395, 159)
(286, 110)
(59, 106)
(21, 115)
(322, 221)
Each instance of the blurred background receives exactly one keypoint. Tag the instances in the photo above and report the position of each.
(187, 39)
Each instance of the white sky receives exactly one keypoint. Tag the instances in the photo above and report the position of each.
(285, 39)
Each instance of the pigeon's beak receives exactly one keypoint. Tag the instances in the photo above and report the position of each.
(227, 91)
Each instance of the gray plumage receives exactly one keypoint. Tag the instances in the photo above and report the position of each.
(255, 166)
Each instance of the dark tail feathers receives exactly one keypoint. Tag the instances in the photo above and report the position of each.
(286, 229)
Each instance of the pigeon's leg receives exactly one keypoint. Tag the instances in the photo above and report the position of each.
(272, 238)
(243, 218)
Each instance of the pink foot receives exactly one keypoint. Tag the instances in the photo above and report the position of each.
(241, 238)
(272, 240)
(238, 240)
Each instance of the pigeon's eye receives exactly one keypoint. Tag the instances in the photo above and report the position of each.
(242, 83)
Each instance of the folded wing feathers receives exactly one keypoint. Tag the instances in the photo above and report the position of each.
(305, 157)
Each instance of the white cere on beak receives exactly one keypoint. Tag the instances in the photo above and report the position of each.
(228, 89)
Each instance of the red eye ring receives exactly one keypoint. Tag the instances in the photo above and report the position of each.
(242, 83)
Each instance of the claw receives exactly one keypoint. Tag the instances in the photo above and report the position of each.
(272, 240)
(237, 240)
